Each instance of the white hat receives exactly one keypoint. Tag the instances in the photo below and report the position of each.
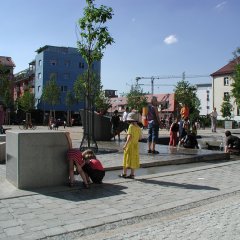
(132, 117)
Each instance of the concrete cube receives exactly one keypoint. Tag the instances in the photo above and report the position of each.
(36, 158)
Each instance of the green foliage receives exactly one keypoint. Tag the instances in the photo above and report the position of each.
(236, 78)
(51, 92)
(136, 99)
(26, 102)
(226, 107)
(94, 37)
(102, 103)
(82, 87)
(187, 94)
(69, 99)
(5, 86)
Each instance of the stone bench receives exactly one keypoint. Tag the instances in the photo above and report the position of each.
(36, 159)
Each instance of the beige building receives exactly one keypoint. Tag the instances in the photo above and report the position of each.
(221, 86)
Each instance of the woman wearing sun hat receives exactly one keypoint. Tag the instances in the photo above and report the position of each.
(131, 146)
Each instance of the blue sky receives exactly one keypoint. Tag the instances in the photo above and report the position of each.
(152, 37)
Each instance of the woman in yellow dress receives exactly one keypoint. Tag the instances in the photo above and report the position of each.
(131, 147)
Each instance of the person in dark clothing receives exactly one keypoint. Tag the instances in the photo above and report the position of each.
(232, 143)
(115, 120)
(93, 167)
(189, 141)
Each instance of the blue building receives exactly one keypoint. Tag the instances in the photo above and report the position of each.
(65, 64)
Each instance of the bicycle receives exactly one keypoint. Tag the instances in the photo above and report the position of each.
(27, 125)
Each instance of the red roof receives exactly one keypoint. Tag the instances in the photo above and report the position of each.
(7, 61)
(227, 69)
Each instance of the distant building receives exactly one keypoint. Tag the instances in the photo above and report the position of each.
(65, 64)
(221, 86)
(204, 94)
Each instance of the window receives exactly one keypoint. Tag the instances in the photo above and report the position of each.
(39, 62)
(39, 87)
(81, 65)
(64, 88)
(66, 76)
(226, 95)
(67, 63)
(226, 81)
(39, 75)
(208, 107)
(53, 62)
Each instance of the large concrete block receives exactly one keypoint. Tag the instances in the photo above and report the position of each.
(36, 158)
(2, 152)
(2, 137)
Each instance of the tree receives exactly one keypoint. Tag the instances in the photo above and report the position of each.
(226, 107)
(94, 38)
(187, 94)
(236, 78)
(69, 100)
(102, 103)
(26, 103)
(136, 99)
(51, 94)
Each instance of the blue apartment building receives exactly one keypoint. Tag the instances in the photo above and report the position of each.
(65, 64)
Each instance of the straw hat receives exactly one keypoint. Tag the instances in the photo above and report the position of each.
(132, 117)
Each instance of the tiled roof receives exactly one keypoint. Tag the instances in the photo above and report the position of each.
(227, 69)
(7, 61)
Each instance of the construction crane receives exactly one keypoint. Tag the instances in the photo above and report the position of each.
(183, 77)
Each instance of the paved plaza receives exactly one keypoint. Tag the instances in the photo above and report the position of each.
(71, 213)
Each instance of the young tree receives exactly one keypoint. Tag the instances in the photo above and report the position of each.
(236, 78)
(26, 103)
(185, 93)
(136, 99)
(51, 94)
(226, 107)
(94, 38)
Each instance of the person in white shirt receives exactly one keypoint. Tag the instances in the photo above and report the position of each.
(213, 116)
(125, 114)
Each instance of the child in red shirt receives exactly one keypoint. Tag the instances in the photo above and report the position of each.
(93, 167)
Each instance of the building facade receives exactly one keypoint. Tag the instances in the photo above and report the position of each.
(222, 80)
(65, 65)
(204, 94)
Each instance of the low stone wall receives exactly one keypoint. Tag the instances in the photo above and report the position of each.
(2, 152)
(36, 158)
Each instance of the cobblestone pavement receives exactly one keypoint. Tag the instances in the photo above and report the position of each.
(73, 213)
(214, 221)
(63, 213)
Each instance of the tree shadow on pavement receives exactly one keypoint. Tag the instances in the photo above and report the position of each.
(79, 193)
(178, 185)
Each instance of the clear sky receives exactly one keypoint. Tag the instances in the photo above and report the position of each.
(152, 37)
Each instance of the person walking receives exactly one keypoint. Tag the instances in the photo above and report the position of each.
(153, 125)
(213, 116)
(131, 147)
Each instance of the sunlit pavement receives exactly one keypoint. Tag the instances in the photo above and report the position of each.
(64, 213)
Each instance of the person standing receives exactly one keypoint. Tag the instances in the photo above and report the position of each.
(2, 117)
(174, 128)
(153, 125)
(131, 147)
(213, 116)
(125, 114)
(115, 120)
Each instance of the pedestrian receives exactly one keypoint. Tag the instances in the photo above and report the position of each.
(131, 147)
(2, 118)
(174, 128)
(232, 143)
(153, 125)
(184, 111)
(93, 168)
(75, 157)
(115, 120)
(213, 116)
(125, 114)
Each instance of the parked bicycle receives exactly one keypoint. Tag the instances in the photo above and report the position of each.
(27, 125)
